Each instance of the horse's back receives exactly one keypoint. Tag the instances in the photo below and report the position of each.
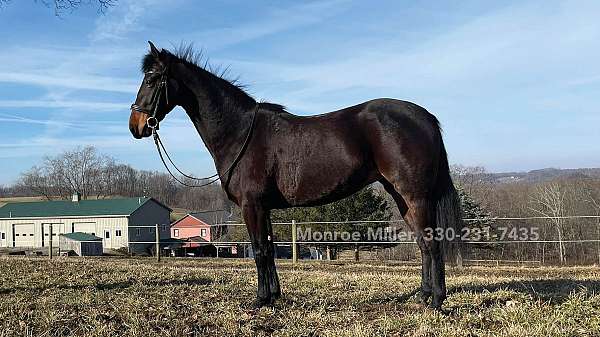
(347, 144)
(389, 110)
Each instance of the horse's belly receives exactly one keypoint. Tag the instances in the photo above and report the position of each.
(311, 182)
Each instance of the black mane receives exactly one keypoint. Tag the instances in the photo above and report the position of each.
(276, 108)
(216, 77)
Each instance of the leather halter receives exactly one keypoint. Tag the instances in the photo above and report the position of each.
(153, 123)
(152, 111)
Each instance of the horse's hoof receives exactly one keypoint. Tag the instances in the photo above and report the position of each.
(436, 305)
(425, 299)
(276, 295)
(261, 302)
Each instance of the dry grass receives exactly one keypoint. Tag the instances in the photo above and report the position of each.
(184, 297)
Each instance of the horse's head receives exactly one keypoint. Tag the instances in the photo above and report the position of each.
(157, 95)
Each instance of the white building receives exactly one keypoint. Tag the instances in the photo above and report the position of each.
(119, 222)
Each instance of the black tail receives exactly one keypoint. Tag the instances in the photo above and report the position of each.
(448, 212)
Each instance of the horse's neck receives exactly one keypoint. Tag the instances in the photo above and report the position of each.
(221, 118)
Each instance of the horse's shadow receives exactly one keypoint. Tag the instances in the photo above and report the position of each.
(109, 286)
(552, 291)
(555, 291)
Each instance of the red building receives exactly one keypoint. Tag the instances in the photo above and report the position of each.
(195, 230)
(191, 225)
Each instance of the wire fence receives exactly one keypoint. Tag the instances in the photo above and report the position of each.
(533, 240)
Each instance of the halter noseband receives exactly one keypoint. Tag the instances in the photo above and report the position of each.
(152, 121)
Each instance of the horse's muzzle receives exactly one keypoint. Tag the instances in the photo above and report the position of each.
(139, 126)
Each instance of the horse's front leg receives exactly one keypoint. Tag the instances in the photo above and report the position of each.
(258, 224)
(273, 277)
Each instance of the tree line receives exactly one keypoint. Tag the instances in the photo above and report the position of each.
(550, 200)
(483, 197)
(98, 176)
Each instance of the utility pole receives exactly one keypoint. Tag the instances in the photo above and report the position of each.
(294, 244)
(50, 243)
(157, 244)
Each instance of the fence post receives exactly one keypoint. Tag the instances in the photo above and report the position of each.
(50, 243)
(294, 244)
(157, 244)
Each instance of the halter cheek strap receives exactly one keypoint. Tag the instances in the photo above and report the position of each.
(152, 112)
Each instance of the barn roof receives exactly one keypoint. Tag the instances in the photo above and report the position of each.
(67, 208)
(196, 239)
(212, 217)
(78, 236)
(204, 218)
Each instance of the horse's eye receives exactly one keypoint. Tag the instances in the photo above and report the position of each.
(149, 82)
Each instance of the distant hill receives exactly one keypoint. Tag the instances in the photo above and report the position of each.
(545, 174)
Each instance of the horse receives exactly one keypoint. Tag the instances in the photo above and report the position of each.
(268, 158)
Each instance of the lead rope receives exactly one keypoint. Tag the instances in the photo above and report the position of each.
(215, 177)
(157, 142)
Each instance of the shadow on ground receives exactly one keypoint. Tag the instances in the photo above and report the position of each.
(554, 290)
(111, 285)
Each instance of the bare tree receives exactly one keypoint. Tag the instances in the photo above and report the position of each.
(37, 182)
(80, 170)
(549, 201)
(210, 197)
(474, 181)
(591, 193)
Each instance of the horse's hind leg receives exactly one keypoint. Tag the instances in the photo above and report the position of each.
(426, 287)
(421, 217)
(419, 214)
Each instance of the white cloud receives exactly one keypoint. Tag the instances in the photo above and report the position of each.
(65, 104)
(522, 47)
(124, 19)
(53, 80)
(274, 21)
(521, 53)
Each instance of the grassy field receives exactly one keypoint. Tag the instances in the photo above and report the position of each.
(3, 201)
(184, 297)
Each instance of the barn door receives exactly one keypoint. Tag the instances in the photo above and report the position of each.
(23, 235)
(3, 239)
(107, 239)
(119, 238)
(84, 227)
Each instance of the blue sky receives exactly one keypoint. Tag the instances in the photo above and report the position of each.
(516, 85)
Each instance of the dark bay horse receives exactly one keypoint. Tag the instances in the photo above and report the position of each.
(288, 160)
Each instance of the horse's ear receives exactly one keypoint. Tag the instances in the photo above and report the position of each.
(153, 50)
